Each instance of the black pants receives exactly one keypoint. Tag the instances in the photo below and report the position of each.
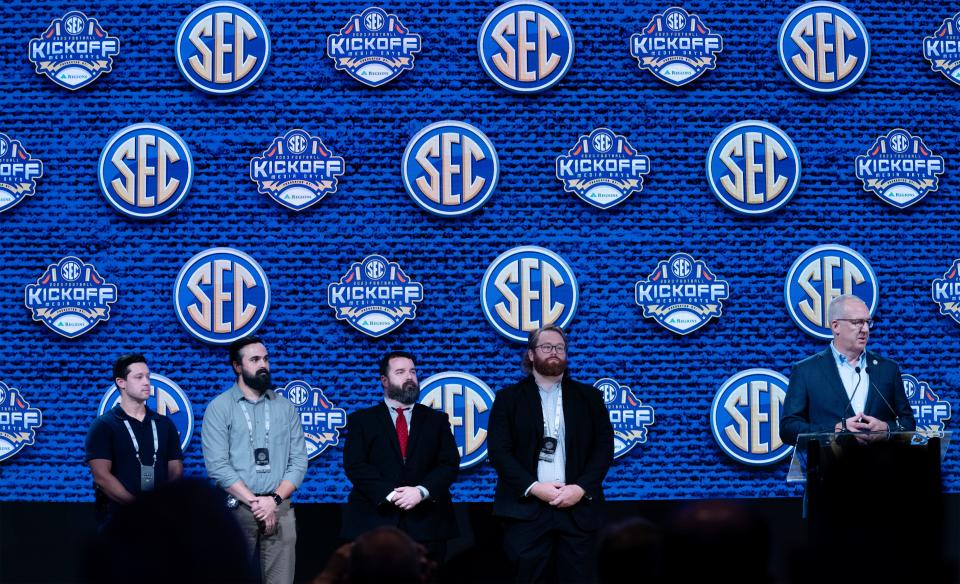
(550, 547)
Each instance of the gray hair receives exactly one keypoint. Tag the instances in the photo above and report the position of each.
(837, 305)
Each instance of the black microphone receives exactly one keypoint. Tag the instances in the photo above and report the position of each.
(896, 418)
(843, 419)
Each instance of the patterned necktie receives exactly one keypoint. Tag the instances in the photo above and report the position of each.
(402, 433)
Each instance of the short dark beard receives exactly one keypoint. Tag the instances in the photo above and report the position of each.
(259, 382)
(406, 394)
(548, 368)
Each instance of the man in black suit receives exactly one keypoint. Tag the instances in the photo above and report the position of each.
(551, 443)
(401, 458)
(845, 386)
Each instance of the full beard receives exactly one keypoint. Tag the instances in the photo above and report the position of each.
(260, 381)
(550, 367)
(406, 394)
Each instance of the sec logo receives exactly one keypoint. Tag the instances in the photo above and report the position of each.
(525, 46)
(929, 411)
(221, 295)
(603, 168)
(320, 419)
(745, 417)
(899, 168)
(823, 47)
(946, 292)
(374, 47)
(682, 294)
(18, 173)
(527, 288)
(676, 46)
(74, 51)
(222, 48)
(628, 416)
(297, 170)
(943, 49)
(18, 422)
(166, 398)
(821, 274)
(450, 168)
(467, 401)
(70, 297)
(145, 171)
(375, 296)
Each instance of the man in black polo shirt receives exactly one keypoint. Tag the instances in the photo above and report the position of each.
(131, 448)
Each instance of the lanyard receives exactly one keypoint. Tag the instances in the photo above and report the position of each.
(266, 423)
(557, 413)
(136, 446)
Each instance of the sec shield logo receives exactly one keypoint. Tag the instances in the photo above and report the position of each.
(467, 401)
(166, 398)
(222, 48)
(946, 292)
(18, 173)
(296, 170)
(320, 419)
(374, 47)
(375, 296)
(823, 47)
(527, 288)
(676, 47)
(603, 169)
(74, 51)
(18, 422)
(943, 49)
(930, 412)
(745, 417)
(70, 297)
(629, 417)
(145, 171)
(682, 294)
(899, 168)
(821, 274)
(450, 168)
(525, 46)
(221, 295)
(753, 167)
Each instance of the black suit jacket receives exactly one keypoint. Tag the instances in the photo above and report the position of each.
(513, 446)
(816, 399)
(372, 462)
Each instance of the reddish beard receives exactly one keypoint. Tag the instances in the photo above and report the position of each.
(550, 366)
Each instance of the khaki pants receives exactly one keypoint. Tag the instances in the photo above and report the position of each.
(277, 558)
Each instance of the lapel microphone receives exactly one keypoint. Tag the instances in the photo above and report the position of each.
(843, 418)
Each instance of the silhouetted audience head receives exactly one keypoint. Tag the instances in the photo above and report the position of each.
(387, 554)
(633, 546)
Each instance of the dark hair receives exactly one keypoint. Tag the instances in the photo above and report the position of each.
(237, 345)
(525, 363)
(121, 367)
(385, 360)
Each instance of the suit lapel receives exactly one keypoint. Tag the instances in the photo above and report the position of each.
(571, 423)
(868, 407)
(531, 401)
(386, 422)
(833, 384)
(417, 420)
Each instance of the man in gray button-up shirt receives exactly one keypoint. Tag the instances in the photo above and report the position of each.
(253, 447)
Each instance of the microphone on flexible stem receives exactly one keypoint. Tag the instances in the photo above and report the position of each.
(843, 419)
(896, 418)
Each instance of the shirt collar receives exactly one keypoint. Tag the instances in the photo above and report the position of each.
(118, 412)
(841, 359)
(236, 393)
(394, 404)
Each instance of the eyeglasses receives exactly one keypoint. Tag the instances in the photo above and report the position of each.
(859, 322)
(547, 349)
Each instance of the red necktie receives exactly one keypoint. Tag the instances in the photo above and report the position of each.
(402, 433)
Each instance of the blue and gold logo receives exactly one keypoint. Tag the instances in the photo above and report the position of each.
(467, 401)
(18, 422)
(18, 173)
(375, 296)
(753, 167)
(821, 274)
(527, 288)
(145, 171)
(74, 51)
(682, 294)
(899, 168)
(946, 292)
(943, 49)
(70, 297)
(450, 168)
(745, 417)
(823, 47)
(629, 417)
(525, 46)
(296, 170)
(676, 47)
(374, 47)
(222, 47)
(221, 295)
(166, 398)
(320, 419)
(603, 168)
(929, 411)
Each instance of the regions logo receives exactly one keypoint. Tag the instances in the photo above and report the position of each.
(296, 170)
(821, 274)
(824, 47)
(70, 297)
(629, 417)
(374, 47)
(467, 401)
(943, 49)
(603, 169)
(18, 422)
(222, 47)
(527, 288)
(320, 419)
(166, 398)
(682, 294)
(74, 51)
(221, 295)
(525, 46)
(745, 417)
(753, 167)
(930, 412)
(145, 171)
(375, 296)
(18, 173)
(899, 168)
(676, 47)
(946, 292)
(450, 168)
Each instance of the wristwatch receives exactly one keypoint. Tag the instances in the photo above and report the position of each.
(277, 499)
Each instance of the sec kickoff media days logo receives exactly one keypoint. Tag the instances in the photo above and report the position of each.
(676, 47)
(221, 295)
(603, 168)
(296, 170)
(18, 173)
(753, 167)
(745, 417)
(527, 288)
(628, 416)
(942, 49)
(74, 51)
(467, 401)
(899, 168)
(320, 419)
(166, 398)
(374, 47)
(18, 422)
(222, 48)
(929, 411)
(375, 296)
(70, 297)
(823, 47)
(682, 294)
(946, 292)
(525, 46)
(450, 168)
(821, 274)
